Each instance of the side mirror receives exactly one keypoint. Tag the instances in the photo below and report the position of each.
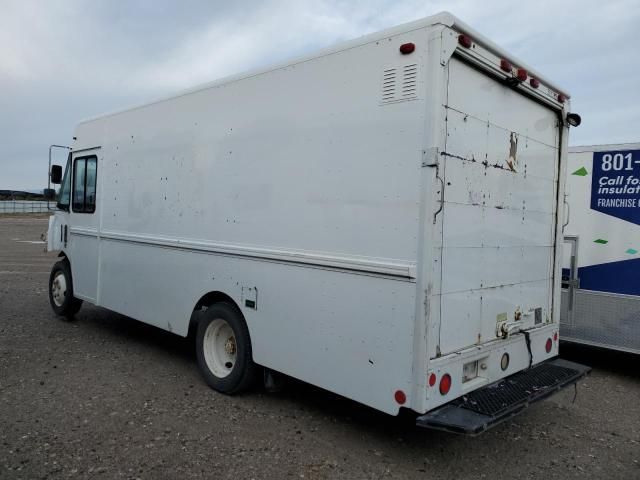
(49, 194)
(56, 174)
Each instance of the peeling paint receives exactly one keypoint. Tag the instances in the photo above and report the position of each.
(513, 151)
(445, 154)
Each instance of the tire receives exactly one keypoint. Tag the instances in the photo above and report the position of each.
(223, 349)
(61, 296)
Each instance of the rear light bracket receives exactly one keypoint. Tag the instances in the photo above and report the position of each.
(486, 60)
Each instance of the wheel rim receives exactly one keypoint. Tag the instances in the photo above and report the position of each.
(59, 289)
(220, 348)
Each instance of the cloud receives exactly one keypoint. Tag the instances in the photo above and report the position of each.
(61, 62)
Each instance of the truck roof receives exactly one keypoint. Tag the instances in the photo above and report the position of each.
(604, 147)
(442, 18)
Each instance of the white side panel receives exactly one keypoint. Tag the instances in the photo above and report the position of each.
(622, 237)
(83, 255)
(317, 165)
(303, 183)
(351, 334)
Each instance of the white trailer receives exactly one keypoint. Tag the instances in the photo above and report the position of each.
(601, 265)
(379, 219)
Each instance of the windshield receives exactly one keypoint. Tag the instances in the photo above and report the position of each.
(65, 187)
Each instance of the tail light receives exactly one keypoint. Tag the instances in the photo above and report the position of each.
(400, 397)
(555, 337)
(445, 384)
(548, 345)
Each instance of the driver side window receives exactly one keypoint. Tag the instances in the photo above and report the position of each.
(65, 188)
(84, 184)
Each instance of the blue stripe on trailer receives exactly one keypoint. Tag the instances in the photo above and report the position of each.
(614, 277)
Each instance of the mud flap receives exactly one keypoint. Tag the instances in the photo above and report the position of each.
(486, 407)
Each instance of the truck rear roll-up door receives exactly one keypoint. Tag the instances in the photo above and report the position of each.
(501, 169)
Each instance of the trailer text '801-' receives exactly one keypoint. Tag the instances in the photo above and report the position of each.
(615, 186)
(617, 161)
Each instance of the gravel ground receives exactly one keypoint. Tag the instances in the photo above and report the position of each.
(105, 396)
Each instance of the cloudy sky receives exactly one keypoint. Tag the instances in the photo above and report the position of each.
(63, 61)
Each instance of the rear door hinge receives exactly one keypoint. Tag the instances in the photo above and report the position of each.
(430, 157)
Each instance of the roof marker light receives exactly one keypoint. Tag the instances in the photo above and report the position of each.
(561, 98)
(465, 41)
(407, 48)
(534, 82)
(522, 74)
(505, 65)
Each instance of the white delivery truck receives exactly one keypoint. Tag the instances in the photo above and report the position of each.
(380, 219)
(601, 258)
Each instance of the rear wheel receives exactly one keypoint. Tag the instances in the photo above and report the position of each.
(223, 349)
(61, 291)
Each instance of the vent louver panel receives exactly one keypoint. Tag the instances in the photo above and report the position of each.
(409, 80)
(389, 85)
(399, 83)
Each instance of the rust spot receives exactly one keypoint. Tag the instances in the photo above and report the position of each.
(513, 151)
(445, 154)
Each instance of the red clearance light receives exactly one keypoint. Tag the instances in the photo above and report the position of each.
(465, 41)
(400, 397)
(445, 384)
(407, 48)
(548, 345)
(555, 337)
(505, 65)
(432, 379)
(534, 82)
(522, 74)
(561, 98)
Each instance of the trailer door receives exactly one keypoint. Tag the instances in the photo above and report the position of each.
(501, 170)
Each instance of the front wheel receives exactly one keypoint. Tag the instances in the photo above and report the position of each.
(223, 349)
(61, 291)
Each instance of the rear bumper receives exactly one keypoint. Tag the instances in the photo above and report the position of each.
(486, 407)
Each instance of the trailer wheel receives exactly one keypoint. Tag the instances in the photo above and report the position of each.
(223, 349)
(61, 296)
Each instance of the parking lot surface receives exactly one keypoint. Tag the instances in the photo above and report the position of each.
(105, 396)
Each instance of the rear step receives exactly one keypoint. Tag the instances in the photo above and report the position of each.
(486, 407)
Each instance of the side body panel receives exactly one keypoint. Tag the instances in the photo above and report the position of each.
(601, 298)
(299, 188)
